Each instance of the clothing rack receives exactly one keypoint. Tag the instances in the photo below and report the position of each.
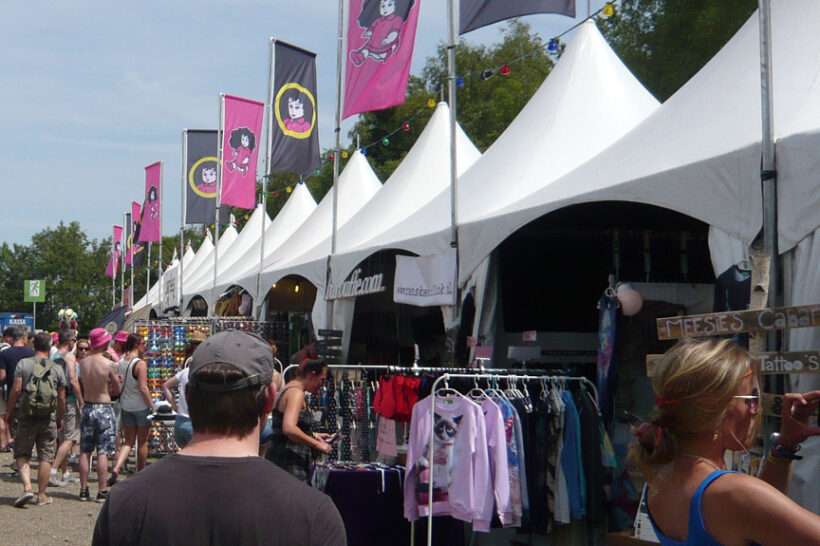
(430, 456)
(469, 372)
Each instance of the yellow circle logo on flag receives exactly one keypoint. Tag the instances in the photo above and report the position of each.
(202, 177)
(295, 125)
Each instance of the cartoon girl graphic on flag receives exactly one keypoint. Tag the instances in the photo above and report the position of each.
(151, 204)
(383, 24)
(243, 141)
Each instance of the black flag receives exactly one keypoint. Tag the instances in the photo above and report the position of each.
(138, 254)
(200, 178)
(295, 127)
(480, 13)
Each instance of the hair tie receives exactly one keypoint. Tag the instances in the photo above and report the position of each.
(643, 432)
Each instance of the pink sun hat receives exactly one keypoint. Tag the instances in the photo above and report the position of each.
(121, 336)
(99, 338)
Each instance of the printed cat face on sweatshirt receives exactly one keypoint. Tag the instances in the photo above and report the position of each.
(446, 428)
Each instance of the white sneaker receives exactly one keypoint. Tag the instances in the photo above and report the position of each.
(70, 478)
(54, 482)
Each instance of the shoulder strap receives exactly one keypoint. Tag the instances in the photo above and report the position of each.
(697, 527)
(46, 364)
(281, 396)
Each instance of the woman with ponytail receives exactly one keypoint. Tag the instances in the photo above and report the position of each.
(708, 402)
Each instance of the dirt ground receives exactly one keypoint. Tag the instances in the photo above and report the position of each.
(66, 521)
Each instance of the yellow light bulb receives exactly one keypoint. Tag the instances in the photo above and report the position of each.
(288, 189)
(609, 9)
(431, 103)
(296, 289)
(274, 285)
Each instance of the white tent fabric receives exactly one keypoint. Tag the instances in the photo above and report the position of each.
(806, 282)
(252, 232)
(190, 271)
(589, 100)
(187, 259)
(357, 185)
(421, 176)
(698, 154)
(204, 264)
(297, 209)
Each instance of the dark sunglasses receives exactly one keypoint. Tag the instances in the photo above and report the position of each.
(82, 348)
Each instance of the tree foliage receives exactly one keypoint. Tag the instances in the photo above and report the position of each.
(666, 42)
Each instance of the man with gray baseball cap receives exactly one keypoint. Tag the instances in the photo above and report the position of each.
(217, 490)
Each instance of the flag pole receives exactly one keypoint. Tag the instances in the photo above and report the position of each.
(260, 298)
(148, 271)
(336, 157)
(122, 261)
(113, 281)
(159, 252)
(131, 286)
(184, 202)
(219, 152)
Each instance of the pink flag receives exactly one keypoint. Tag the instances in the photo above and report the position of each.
(380, 40)
(116, 242)
(150, 227)
(240, 150)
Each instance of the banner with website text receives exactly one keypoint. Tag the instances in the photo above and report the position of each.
(425, 281)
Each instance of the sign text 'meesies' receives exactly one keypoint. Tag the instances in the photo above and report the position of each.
(737, 322)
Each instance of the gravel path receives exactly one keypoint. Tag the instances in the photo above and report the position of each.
(66, 521)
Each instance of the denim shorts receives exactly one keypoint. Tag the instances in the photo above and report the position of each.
(136, 418)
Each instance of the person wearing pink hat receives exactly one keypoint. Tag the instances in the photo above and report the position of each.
(98, 430)
(118, 347)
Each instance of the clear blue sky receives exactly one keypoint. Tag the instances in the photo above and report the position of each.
(92, 91)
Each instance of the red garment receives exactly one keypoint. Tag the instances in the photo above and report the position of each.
(406, 391)
(384, 403)
(380, 30)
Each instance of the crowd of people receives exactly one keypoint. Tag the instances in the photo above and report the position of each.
(91, 393)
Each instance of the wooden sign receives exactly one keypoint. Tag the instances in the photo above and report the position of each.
(770, 363)
(738, 322)
(795, 362)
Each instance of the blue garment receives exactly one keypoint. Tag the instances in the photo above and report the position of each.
(183, 430)
(571, 459)
(696, 534)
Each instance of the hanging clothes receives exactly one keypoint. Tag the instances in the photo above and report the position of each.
(460, 467)
(498, 496)
(591, 441)
(557, 503)
(571, 458)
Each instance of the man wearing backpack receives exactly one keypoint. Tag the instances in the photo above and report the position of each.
(39, 385)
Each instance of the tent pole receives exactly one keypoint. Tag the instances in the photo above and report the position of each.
(148, 272)
(768, 168)
(122, 260)
(336, 157)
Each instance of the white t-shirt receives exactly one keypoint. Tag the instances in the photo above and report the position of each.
(182, 404)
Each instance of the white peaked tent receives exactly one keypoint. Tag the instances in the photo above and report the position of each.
(422, 175)
(589, 100)
(699, 153)
(252, 232)
(190, 270)
(297, 209)
(205, 265)
(357, 185)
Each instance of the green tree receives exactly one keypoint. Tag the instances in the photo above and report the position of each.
(666, 42)
(74, 270)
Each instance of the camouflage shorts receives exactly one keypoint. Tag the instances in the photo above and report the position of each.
(36, 432)
(98, 429)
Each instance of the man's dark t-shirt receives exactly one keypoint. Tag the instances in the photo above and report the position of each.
(9, 359)
(183, 500)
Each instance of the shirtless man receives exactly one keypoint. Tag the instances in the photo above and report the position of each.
(97, 425)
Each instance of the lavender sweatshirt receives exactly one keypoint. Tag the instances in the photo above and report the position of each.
(461, 474)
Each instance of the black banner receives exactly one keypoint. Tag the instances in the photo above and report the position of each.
(295, 124)
(138, 256)
(475, 14)
(200, 178)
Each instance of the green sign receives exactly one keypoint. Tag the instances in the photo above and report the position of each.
(34, 291)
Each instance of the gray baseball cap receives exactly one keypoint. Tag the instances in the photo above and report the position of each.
(248, 353)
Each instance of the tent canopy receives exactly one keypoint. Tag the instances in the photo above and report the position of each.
(206, 264)
(357, 185)
(588, 101)
(297, 209)
(699, 153)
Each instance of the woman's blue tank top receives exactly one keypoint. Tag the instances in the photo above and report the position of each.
(696, 534)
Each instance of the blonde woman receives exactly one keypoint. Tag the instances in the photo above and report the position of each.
(708, 399)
